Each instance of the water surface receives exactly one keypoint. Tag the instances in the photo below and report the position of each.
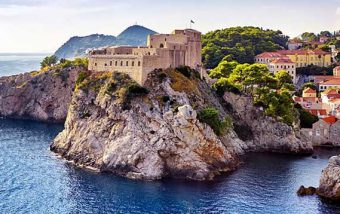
(33, 180)
(15, 63)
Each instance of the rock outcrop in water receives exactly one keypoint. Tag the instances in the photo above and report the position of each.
(329, 186)
(43, 96)
(114, 125)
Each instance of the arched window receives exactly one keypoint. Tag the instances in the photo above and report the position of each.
(121, 63)
(116, 63)
(138, 63)
(161, 45)
(133, 63)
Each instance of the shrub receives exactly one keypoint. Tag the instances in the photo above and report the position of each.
(81, 77)
(210, 116)
(135, 89)
(185, 70)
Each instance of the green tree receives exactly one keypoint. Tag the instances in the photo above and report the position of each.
(309, 37)
(49, 61)
(240, 44)
(210, 116)
(224, 69)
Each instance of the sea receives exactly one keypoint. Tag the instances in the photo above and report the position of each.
(14, 63)
(35, 180)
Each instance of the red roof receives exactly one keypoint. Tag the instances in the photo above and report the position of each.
(331, 91)
(331, 82)
(269, 55)
(330, 119)
(320, 79)
(318, 112)
(309, 90)
(282, 60)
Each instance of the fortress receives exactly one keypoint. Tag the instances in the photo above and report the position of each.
(181, 47)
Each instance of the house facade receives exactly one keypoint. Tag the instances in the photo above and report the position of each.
(282, 63)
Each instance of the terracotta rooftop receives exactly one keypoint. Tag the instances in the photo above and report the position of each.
(335, 81)
(309, 90)
(282, 60)
(331, 91)
(269, 55)
(330, 119)
(319, 79)
(318, 112)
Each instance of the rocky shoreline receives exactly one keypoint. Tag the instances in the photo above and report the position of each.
(329, 186)
(144, 133)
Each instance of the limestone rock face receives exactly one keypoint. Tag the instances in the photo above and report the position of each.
(43, 96)
(145, 137)
(329, 186)
(261, 133)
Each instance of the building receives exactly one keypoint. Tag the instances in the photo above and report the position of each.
(294, 44)
(309, 92)
(267, 57)
(304, 58)
(301, 58)
(181, 47)
(283, 63)
(336, 71)
(324, 132)
(330, 83)
(327, 82)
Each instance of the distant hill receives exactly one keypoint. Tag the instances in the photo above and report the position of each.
(135, 35)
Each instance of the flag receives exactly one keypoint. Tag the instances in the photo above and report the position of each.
(192, 22)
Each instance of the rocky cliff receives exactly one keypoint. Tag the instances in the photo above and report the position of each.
(329, 186)
(39, 95)
(259, 132)
(151, 133)
(114, 125)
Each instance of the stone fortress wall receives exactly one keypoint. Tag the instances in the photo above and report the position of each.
(181, 47)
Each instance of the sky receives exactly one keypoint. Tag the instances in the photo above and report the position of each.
(44, 25)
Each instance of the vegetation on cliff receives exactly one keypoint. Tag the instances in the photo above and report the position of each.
(240, 44)
(272, 92)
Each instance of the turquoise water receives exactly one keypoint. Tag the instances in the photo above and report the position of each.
(34, 180)
(15, 63)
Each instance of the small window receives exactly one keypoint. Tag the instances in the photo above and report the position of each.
(165, 39)
(110, 63)
(138, 63)
(116, 63)
(95, 64)
(133, 63)
(121, 63)
(127, 63)
(161, 45)
(105, 64)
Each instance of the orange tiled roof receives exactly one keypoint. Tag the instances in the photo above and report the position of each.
(331, 82)
(330, 119)
(331, 91)
(309, 90)
(318, 112)
(282, 60)
(269, 55)
(320, 79)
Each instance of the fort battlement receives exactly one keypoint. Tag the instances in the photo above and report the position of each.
(181, 47)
